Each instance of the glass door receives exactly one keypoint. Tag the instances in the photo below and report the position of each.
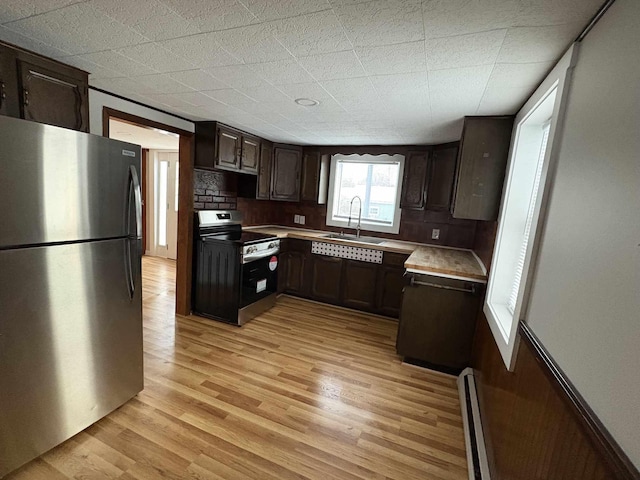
(166, 189)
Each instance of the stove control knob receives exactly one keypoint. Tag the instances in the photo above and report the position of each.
(252, 249)
(272, 245)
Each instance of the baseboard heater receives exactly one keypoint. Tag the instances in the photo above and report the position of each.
(473, 434)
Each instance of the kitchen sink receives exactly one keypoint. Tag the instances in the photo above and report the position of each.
(353, 238)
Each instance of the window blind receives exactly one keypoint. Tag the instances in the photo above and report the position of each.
(515, 288)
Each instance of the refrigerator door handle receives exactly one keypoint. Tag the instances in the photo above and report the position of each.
(133, 238)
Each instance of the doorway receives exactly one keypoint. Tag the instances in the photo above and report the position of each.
(184, 179)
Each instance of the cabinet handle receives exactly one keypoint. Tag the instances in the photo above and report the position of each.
(25, 97)
(414, 282)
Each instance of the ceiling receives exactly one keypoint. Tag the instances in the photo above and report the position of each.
(151, 138)
(384, 71)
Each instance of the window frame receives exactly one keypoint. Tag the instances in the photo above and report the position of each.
(365, 225)
(503, 324)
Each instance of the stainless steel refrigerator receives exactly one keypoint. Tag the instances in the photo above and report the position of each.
(70, 284)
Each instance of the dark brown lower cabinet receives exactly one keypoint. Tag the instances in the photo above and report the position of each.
(359, 280)
(326, 273)
(295, 266)
(391, 281)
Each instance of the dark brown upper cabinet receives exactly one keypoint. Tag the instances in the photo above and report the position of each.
(250, 154)
(219, 147)
(310, 176)
(9, 103)
(285, 175)
(263, 186)
(42, 90)
(414, 183)
(482, 161)
(441, 177)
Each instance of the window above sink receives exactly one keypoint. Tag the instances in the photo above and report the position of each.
(365, 187)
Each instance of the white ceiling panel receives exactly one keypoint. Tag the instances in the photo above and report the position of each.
(201, 50)
(390, 59)
(282, 72)
(153, 55)
(332, 66)
(397, 71)
(151, 18)
(311, 34)
(464, 50)
(382, 22)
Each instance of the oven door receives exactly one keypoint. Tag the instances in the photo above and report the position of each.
(259, 279)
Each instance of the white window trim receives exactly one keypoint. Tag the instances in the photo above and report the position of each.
(365, 226)
(503, 324)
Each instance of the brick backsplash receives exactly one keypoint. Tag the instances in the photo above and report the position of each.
(214, 190)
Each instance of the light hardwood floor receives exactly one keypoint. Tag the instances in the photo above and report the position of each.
(303, 391)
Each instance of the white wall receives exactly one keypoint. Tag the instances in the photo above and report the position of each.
(98, 100)
(585, 303)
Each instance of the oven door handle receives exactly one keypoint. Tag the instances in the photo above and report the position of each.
(252, 257)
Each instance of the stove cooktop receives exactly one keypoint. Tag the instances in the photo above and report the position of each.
(242, 237)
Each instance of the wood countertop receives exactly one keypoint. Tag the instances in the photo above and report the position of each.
(427, 259)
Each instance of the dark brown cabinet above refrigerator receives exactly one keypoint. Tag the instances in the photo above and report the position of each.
(219, 147)
(35, 88)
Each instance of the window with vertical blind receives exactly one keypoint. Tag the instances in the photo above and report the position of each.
(515, 287)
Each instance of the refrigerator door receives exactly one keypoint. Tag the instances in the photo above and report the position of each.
(59, 185)
(70, 342)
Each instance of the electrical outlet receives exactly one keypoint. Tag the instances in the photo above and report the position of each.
(435, 234)
(296, 219)
(302, 219)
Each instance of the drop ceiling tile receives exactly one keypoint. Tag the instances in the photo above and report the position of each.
(402, 82)
(503, 100)
(311, 90)
(391, 59)
(455, 81)
(537, 44)
(229, 96)
(213, 15)
(311, 34)
(264, 93)
(77, 29)
(282, 72)
(350, 87)
(155, 56)
(332, 66)
(169, 100)
(464, 50)
(117, 64)
(122, 85)
(252, 44)
(198, 80)
(241, 76)
(382, 22)
(95, 70)
(151, 18)
(443, 18)
(161, 83)
(554, 12)
(17, 9)
(276, 9)
(523, 75)
(16, 38)
(196, 99)
(201, 50)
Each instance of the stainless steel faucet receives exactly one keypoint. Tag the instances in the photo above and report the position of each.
(359, 214)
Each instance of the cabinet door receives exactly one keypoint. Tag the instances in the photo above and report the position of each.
(228, 149)
(414, 183)
(294, 268)
(441, 177)
(9, 103)
(359, 284)
(286, 174)
(250, 154)
(310, 176)
(325, 278)
(263, 186)
(481, 167)
(52, 97)
(391, 282)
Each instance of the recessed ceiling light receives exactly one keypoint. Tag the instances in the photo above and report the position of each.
(307, 102)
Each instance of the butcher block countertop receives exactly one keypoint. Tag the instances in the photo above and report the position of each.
(427, 259)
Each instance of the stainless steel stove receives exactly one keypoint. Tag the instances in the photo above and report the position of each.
(235, 270)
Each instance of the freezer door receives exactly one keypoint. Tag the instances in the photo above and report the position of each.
(70, 342)
(59, 185)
